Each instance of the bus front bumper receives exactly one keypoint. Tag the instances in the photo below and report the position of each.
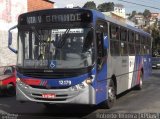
(80, 96)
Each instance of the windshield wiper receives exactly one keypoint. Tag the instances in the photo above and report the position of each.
(62, 41)
(36, 33)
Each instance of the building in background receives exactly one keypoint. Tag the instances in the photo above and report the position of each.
(139, 21)
(119, 14)
(33, 5)
(119, 10)
(70, 6)
(154, 18)
(9, 12)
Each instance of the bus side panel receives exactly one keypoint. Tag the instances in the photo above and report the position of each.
(140, 62)
(131, 71)
(101, 87)
(136, 70)
(118, 66)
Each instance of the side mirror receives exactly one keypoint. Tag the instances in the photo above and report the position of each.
(10, 39)
(105, 42)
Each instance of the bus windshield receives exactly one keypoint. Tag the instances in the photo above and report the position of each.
(50, 48)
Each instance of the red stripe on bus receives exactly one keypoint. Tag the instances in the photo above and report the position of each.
(32, 81)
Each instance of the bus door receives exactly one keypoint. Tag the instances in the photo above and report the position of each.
(101, 77)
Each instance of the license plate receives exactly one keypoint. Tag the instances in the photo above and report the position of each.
(48, 96)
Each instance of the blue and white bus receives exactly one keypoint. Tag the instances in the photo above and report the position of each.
(78, 56)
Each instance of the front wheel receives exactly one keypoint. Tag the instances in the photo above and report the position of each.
(111, 95)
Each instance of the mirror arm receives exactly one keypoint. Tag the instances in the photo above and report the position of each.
(10, 39)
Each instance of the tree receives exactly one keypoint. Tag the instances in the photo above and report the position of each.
(105, 7)
(140, 13)
(133, 14)
(90, 5)
(155, 33)
(146, 13)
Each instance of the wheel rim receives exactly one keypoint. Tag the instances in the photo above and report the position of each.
(111, 93)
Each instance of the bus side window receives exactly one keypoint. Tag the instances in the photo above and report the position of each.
(101, 32)
(131, 43)
(123, 38)
(100, 53)
(99, 44)
(114, 30)
(114, 42)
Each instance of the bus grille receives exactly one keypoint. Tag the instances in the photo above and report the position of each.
(53, 74)
(43, 99)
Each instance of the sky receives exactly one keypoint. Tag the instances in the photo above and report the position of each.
(129, 7)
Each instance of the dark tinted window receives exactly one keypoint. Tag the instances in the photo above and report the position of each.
(131, 37)
(114, 32)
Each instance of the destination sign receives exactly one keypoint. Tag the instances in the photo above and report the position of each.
(54, 17)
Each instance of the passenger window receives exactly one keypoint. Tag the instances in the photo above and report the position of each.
(114, 32)
(131, 49)
(101, 32)
(114, 48)
(137, 39)
(131, 37)
(123, 45)
(123, 34)
(138, 49)
(114, 42)
(124, 48)
(131, 43)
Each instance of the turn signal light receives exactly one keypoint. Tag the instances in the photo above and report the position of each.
(17, 79)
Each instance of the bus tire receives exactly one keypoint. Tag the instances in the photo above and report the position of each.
(140, 85)
(111, 95)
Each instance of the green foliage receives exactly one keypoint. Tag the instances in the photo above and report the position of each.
(133, 14)
(90, 5)
(146, 13)
(105, 7)
(140, 13)
(154, 30)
